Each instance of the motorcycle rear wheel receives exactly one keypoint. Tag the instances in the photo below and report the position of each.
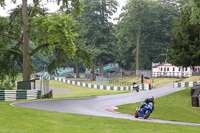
(136, 114)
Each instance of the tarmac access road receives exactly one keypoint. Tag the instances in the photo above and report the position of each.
(104, 105)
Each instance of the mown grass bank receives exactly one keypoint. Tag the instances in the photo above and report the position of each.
(79, 91)
(175, 107)
(24, 120)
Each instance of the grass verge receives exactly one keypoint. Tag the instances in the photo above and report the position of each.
(193, 78)
(23, 120)
(175, 107)
(79, 90)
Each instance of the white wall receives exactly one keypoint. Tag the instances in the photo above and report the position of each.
(170, 70)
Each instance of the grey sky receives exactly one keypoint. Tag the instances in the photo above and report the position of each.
(11, 5)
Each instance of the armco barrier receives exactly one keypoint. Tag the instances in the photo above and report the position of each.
(185, 84)
(102, 87)
(11, 95)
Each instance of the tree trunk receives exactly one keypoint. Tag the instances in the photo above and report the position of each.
(77, 70)
(93, 74)
(101, 74)
(137, 46)
(26, 54)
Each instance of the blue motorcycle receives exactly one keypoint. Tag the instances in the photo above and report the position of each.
(145, 111)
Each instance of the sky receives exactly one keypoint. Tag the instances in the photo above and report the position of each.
(50, 5)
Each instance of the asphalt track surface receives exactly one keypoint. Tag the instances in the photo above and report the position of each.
(104, 105)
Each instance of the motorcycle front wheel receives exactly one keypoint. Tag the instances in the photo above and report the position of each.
(147, 114)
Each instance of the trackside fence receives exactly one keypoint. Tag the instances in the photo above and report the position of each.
(185, 84)
(11, 95)
(103, 87)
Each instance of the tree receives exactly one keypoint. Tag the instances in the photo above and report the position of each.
(144, 32)
(98, 30)
(50, 33)
(195, 5)
(185, 42)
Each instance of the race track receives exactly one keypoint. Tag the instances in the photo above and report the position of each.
(100, 105)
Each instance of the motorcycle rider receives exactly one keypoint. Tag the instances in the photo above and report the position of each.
(134, 83)
(135, 86)
(146, 102)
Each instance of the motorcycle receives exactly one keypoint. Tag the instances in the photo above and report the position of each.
(135, 86)
(145, 111)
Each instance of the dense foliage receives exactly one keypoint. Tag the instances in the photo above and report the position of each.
(67, 38)
(146, 25)
(30, 29)
(98, 31)
(185, 43)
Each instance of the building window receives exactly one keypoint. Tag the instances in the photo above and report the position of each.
(179, 69)
(186, 69)
(167, 68)
(161, 68)
(164, 68)
(173, 68)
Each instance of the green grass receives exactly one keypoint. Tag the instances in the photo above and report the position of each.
(79, 90)
(175, 107)
(161, 81)
(24, 120)
(19, 77)
(193, 78)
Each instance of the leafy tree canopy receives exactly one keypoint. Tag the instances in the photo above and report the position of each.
(30, 29)
(185, 43)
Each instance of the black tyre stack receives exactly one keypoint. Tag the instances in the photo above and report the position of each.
(195, 101)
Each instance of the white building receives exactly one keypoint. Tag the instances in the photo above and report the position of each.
(169, 70)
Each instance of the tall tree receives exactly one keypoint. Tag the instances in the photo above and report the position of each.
(144, 31)
(31, 23)
(98, 29)
(185, 43)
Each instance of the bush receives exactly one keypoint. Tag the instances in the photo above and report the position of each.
(7, 85)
